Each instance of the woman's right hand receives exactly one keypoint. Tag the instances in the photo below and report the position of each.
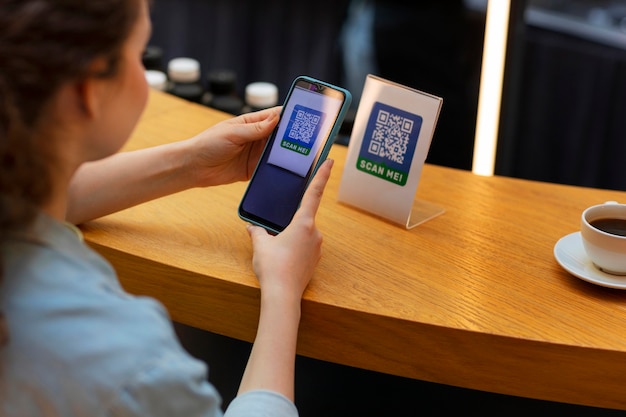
(284, 264)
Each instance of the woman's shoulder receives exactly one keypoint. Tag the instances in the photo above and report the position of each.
(57, 289)
(74, 332)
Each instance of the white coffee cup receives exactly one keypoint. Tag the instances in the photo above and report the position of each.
(605, 248)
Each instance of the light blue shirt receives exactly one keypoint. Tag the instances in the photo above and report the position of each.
(79, 345)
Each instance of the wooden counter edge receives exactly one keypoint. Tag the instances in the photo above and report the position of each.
(471, 359)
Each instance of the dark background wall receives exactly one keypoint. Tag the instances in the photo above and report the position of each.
(569, 95)
(570, 121)
(272, 40)
(566, 103)
(429, 45)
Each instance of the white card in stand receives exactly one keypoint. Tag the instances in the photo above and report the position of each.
(392, 132)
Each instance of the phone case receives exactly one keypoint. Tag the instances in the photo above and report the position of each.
(323, 154)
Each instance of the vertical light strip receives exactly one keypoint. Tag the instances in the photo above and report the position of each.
(490, 95)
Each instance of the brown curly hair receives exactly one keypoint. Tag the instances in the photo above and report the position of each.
(43, 45)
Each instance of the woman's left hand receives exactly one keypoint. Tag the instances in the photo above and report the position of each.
(224, 153)
(229, 151)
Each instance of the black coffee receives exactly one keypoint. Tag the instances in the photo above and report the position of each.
(613, 226)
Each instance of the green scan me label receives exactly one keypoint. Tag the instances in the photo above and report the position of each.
(382, 171)
(295, 147)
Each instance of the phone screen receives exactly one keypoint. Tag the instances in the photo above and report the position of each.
(310, 118)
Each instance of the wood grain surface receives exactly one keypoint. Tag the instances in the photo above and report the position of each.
(473, 298)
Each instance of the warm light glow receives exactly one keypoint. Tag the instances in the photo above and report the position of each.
(490, 95)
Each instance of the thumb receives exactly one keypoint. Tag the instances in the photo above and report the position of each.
(259, 125)
(256, 232)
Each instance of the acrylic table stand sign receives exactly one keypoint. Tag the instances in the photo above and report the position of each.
(388, 146)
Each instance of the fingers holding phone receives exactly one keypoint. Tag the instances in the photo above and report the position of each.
(284, 263)
(313, 195)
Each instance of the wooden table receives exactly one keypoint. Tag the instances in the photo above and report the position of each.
(473, 298)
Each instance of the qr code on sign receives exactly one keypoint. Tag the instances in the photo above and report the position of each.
(304, 126)
(389, 143)
(390, 137)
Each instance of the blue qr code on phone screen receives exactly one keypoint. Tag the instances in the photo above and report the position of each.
(302, 130)
(304, 124)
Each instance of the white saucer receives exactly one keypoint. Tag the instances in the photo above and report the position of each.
(570, 254)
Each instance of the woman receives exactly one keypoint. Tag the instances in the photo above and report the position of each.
(72, 89)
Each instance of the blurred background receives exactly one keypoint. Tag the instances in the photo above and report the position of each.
(563, 113)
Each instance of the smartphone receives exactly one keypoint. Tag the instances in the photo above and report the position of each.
(309, 121)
